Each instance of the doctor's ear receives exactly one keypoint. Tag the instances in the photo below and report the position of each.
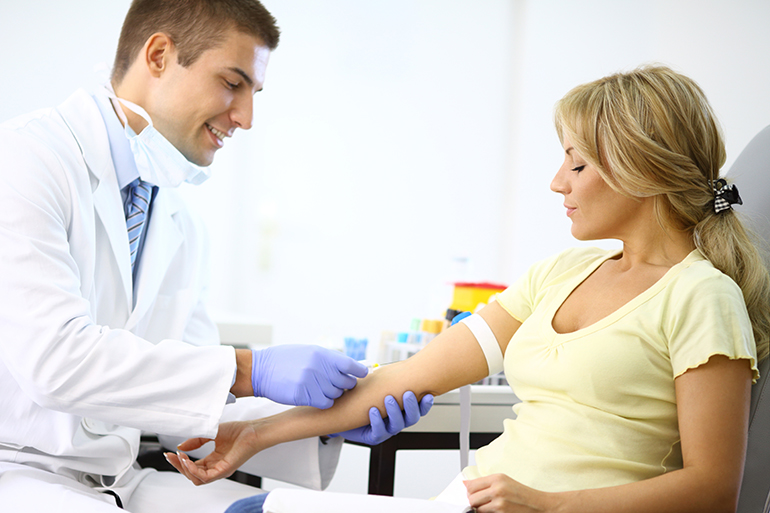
(157, 52)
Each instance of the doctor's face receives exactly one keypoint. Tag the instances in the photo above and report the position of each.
(198, 107)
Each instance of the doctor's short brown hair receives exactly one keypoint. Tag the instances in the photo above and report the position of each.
(193, 25)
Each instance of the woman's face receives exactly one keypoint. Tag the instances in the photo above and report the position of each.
(597, 211)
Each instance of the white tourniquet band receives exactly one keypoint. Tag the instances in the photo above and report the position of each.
(487, 341)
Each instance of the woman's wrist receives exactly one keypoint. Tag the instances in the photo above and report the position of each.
(558, 502)
(261, 434)
(283, 427)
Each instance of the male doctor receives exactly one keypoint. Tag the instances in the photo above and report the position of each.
(103, 330)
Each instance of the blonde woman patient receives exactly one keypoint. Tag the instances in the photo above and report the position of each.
(634, 366)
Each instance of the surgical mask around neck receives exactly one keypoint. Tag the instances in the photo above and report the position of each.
(157, 160)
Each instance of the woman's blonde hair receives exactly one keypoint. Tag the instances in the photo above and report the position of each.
(652, 133)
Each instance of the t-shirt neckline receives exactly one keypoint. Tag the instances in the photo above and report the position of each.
(634, 303)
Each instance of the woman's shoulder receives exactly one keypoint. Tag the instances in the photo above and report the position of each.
(568, 263)
(577, 258)
(698, 281)
(697, 272)
(588, 254)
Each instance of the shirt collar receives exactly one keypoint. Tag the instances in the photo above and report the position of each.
(120, 148)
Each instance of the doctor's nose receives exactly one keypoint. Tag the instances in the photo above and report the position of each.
(242, 113)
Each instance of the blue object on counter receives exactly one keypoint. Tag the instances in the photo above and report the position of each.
(356, 347)
(459, 317)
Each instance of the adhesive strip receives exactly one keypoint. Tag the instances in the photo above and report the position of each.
(487, 341)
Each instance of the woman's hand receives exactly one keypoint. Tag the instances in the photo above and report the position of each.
(235, 443)
(499, 493)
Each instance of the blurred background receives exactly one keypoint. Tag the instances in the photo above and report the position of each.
(400, 145)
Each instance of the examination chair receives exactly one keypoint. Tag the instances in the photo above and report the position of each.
(751, 174)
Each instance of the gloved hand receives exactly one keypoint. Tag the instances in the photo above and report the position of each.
(303, 375)
(381, 429)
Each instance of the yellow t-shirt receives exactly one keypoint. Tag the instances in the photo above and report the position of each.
(598, 405)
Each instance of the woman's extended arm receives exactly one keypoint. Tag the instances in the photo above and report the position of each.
(713, 406)
(452, 359)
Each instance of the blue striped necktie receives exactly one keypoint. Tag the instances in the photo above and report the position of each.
(139, 194)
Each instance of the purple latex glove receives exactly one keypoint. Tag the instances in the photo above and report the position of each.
(303, 375)
(381, 429)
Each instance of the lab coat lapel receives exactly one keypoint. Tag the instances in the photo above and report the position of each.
(163, 240)
(108, 205)
(84, 120)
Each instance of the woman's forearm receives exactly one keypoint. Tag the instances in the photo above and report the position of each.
(451, 360)
(681, 491)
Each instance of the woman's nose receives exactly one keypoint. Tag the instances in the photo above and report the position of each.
(559, 182)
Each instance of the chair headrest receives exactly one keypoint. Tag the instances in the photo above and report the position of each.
(751, 174)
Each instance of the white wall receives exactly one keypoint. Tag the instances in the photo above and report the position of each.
(379, 146)
(394, 136)
(721, 44)
(50, 48)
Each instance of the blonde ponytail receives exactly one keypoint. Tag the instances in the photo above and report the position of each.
(723, 239)
(652, 133)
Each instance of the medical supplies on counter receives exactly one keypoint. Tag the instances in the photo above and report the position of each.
(467, 297)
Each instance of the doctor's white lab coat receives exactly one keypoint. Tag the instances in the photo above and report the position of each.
(81, 371)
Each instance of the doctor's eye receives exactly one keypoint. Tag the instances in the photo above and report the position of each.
(231, 85)
(579, 168)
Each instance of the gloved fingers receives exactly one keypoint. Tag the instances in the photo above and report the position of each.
(426, 403)
(395, 415)
(338, 369)
(346, 365)
(303, 375)
(379, 432)
(312, 395)
(322, 403)
(411, 409)
(323, 386)
(338, 381)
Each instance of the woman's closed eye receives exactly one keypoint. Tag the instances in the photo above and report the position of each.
(578, 168)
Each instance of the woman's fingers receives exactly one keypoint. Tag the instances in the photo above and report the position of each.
(192, 444)
(191, 470)
(174, 460)
(188, 468)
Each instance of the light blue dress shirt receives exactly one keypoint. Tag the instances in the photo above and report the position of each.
(123, 160)
(126, 171)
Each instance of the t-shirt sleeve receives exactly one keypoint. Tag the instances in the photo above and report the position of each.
(520, 299)
(516, 299)
(708, 317)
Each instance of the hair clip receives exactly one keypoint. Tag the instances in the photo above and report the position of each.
(725, 195)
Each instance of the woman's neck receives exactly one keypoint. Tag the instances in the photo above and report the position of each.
(659, 247)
